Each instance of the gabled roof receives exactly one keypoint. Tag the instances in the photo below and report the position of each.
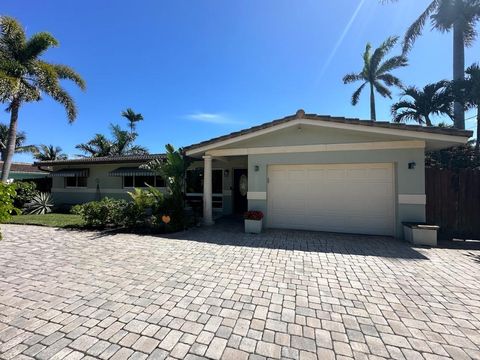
(326, 119)
(24, 168)
(102, 160)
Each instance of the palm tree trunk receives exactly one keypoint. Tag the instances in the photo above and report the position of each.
(477, 144)
(373, 114)
(12, 137)
(458, 69)
(428, 121)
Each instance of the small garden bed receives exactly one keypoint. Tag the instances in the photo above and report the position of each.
(52, 219)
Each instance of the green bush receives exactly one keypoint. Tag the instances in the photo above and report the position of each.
(7, 208)
(104, 213)
(26, 192)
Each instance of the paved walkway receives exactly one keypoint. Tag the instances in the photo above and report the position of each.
(220, 294)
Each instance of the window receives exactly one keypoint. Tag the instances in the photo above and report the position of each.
(141, 181)
(76, 181)
(194, 186)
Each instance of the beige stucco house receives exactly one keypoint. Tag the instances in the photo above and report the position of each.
(304, 171)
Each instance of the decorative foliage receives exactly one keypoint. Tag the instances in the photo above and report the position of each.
(376, 73)
(20, 140)
(7, 195)
(25, 77)
(49, 153)
(467, 93)
(122, 143)
(461, 157)
(40, 204)
(253, 215)
(25, 192)
(132, 118)
(104, 213)
(434, 99)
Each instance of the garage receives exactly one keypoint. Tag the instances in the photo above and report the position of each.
(348, 198)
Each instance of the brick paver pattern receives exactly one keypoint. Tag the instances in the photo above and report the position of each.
(220, 294)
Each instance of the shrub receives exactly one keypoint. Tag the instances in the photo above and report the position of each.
(26, 191)
(7, 196)
(40, 204)
(104, 213)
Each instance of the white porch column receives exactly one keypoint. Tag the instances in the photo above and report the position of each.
(207, 190)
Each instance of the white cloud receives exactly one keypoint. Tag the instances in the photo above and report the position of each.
(212, 118)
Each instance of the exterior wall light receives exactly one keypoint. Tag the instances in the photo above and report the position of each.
(226, 172)
(256, 168)
(411, 165)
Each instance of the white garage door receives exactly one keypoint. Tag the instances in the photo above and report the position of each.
(349, 198)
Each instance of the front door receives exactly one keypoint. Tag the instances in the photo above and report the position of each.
(240, 188)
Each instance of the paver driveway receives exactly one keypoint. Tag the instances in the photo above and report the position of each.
(218, 293)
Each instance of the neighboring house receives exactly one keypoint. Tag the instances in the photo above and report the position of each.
(324, 173)
(304, 171)
(24, 171)
(81, 180)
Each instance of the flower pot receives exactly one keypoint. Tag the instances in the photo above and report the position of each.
(253, 226)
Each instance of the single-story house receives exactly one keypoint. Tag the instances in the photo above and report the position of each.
(324, 173)
(304, 171)
(24, 171)
(81, 180)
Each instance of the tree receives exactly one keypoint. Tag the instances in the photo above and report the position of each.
(132, 118)
(20, 140)
(49, 153)
(376, 73)
(460, 16)
(122, 143)
(467, 93)
(433, 99)
(25, 77)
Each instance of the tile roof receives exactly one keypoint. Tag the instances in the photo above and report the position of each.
(25, 168)
(102, 160)
(300, 114)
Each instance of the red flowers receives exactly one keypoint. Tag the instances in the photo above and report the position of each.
(253, 215)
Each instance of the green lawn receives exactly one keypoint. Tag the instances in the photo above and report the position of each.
(54, 220)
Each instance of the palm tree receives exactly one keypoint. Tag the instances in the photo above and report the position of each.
(49, 153)
(460, 16)
(20, 140)
(433, 99)
(467, 93)
(24, 77)
(376, 73)
(132, 118)
(122, 143)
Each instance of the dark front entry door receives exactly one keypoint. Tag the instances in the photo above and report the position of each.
(240, 181)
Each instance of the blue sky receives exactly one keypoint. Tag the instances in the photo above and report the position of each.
(199, 69)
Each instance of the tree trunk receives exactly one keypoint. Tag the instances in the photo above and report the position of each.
(373, 114)
(477, 144)
(12, 137)
(428, 121)
(458, 69)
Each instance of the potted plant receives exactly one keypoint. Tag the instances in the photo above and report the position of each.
(253, 221)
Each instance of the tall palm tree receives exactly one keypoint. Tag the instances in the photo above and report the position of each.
(25, 77)
(49, 153)
(376, 73)
(20, 140)
(460, 16)
(132, 118)
(433, 99)
(122, 143)
(467, 93)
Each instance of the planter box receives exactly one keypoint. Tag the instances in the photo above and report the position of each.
(421, 234)
(253, 226)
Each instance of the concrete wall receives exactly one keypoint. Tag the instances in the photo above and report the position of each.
(408, 181)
